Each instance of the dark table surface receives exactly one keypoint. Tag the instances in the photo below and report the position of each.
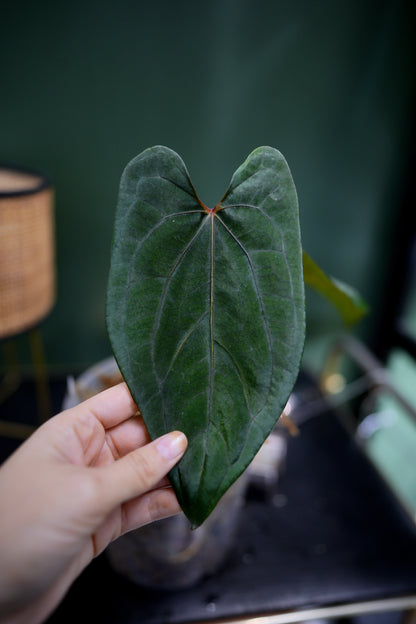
(330, 533)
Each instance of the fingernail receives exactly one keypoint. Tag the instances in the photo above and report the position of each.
(172, 444)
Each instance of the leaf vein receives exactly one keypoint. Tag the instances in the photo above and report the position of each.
(183, 342)
(162, 301)
(262, 306)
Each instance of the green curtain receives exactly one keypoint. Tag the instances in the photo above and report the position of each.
(85, 86)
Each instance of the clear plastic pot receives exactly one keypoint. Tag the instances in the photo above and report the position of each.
(168, 555)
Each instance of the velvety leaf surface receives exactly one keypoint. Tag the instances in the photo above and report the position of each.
(205, 311)
(347, 300)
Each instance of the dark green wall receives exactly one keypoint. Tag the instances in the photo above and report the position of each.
(85, 86)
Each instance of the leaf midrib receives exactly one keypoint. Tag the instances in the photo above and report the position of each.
(211, 215)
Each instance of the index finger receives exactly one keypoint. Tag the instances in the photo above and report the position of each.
(111, 407)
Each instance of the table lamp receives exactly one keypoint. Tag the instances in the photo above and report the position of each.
(27, 263)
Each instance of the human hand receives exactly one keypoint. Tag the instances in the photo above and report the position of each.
(82, 479)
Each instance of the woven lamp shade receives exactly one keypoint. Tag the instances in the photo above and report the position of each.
(27, 254)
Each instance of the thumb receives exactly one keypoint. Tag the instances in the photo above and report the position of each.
(141, 470)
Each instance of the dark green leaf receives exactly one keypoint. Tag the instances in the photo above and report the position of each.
(347, 300)
(205, 311)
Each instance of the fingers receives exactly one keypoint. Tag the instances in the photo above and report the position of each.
(110, 407)
(139, 471)
(129, 435)
(155, 505)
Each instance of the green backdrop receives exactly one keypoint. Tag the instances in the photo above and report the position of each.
(85, 86)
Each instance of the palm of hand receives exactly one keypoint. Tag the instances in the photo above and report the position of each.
(86, 476)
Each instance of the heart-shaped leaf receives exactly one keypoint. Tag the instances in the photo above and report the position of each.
(205, 311)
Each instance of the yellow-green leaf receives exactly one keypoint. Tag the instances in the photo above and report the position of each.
(348, 301)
